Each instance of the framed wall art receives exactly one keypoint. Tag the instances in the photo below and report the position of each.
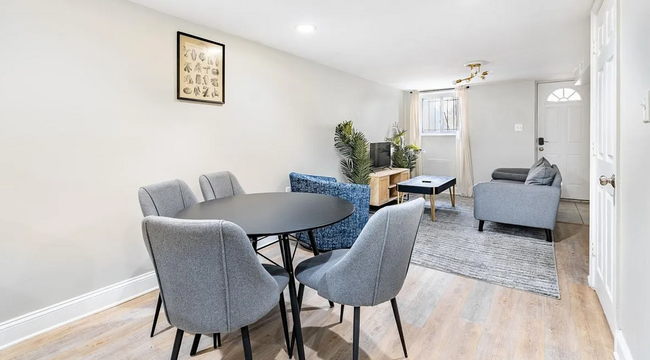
(200, 69)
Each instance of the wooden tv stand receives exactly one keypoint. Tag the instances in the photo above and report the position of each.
(383, 185)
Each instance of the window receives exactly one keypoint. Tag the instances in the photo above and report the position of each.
(562, 95)
(439, 112)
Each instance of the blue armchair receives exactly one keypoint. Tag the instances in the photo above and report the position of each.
(343, 234)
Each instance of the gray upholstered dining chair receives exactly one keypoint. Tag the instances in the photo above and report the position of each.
(167, 199)
(224, 184)
(210, 279)
(220, 185)
(379, 261)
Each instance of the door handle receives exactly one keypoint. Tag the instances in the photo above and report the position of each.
(604, 180)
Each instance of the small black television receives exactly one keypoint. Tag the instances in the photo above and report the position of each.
(380, 154)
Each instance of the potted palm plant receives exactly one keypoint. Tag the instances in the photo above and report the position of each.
(352, 147)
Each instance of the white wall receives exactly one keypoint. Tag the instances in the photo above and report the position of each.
(493, 112)
(632, 180)
(494, 109)
(88, 114)
(439, 156)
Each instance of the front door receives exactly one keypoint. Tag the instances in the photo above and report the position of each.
(603, 232)
(563, 131)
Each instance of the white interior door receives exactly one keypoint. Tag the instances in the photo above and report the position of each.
(603, 249)
(563, 123)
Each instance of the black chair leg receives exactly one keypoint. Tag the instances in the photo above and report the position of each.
(254, 240)
(549, 235)
(342, 308)
(355, 333)
(301, 292)
(177, 344)
(284, 262)
(399, 325)
(480, 225)
(195, 344)
(285, 327)
(216, 341)
(245, 337)
(155, 316)
(312, 242)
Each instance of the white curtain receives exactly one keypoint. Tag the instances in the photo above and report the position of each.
(413, 128)
(464, 172)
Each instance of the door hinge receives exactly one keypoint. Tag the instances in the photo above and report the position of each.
(593, 250)
(593, 48)
(592, 244)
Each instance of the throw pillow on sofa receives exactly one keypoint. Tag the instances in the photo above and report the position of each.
(541, 162)
(541, 173)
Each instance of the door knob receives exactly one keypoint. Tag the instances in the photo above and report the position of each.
(604, 180)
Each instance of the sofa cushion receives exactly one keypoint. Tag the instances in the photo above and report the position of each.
(541, 175)
(512, 174)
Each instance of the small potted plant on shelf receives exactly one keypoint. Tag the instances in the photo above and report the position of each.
(403, 155)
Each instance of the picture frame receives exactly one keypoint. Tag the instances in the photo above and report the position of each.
(200, 69)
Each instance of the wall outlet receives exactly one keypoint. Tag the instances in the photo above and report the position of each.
(287, 189)
(519, 127)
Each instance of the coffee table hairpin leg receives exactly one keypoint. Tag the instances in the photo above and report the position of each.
(452, 192)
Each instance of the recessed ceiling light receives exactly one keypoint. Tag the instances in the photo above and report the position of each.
(305, 28)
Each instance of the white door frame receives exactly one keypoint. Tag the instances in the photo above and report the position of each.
(593, 169)
(537, 105)
(591, 278)
(542, 105)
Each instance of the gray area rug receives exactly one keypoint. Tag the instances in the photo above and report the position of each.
(507, 255)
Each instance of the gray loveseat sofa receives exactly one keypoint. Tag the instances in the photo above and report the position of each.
(507, 199)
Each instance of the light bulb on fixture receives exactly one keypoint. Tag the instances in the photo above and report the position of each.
(305, 28)
(474, 71)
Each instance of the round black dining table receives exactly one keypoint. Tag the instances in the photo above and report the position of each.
(280, 214)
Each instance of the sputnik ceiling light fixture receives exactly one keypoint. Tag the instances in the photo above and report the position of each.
(475, 71)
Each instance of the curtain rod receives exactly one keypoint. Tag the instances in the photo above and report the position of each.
(435, 90)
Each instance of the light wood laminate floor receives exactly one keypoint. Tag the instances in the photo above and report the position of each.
(444, 317)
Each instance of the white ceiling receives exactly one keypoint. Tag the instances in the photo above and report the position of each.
(409, 44)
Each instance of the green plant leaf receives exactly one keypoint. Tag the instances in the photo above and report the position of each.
(404, 156)
(352, 146)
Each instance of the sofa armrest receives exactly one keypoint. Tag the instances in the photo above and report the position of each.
(513, 174)
(519, 204)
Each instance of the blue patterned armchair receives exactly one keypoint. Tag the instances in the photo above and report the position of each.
(343, 234)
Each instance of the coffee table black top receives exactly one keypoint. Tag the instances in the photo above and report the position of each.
(426, 184)
(273, 213)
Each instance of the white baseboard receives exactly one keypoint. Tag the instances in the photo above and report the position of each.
(29, 325)
(621, 351)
